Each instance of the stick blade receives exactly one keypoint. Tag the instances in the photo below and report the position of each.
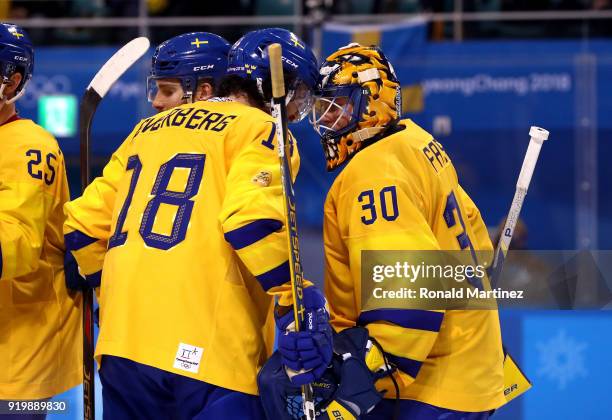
(118, 64)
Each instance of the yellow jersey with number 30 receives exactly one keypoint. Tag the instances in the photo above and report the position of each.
(412, 201)
(186, 224)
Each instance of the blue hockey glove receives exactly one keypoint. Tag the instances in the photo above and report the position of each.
(74, 280)
(308, 352)
(345, 391)
(356, 394)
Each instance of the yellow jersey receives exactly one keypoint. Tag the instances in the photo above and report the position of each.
(402, 193)
(40, 324)
(186, 224)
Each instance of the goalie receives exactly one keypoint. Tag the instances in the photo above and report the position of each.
(398, 190)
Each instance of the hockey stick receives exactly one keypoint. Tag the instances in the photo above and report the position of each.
(97, 89)
(515, 381)
(279, 110)
(538, 136)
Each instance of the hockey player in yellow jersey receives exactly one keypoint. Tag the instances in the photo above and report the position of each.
(182, 71)
(190, 209)
(398, 190)
(40, 325)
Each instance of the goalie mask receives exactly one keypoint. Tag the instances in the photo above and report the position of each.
(358, 98)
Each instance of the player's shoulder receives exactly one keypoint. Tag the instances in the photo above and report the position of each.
(409, 152)
(387, 153)
(242, 111)
(415, 132)
(26, 133)
(410, 147)
(409, 136)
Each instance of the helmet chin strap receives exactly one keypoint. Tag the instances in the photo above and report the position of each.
(14, 98)
(188, 97)
(366, 133)
(6, 82)
(289, 96)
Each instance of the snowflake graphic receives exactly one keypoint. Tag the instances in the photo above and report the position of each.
(562, 359)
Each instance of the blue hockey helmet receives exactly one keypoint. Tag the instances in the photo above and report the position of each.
(189, 58)
(16, 55)
(248, 58)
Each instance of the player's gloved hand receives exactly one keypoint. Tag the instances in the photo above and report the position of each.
(308, 352)
(74, 280)
(356, 394)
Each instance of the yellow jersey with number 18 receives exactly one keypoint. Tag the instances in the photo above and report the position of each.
(190, 208)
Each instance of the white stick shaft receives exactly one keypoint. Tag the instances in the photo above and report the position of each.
(522, 185)
(529, 163)
(276, 113)
(538, 136)
(513, 215)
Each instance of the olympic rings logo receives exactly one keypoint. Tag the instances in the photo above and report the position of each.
(42, 85)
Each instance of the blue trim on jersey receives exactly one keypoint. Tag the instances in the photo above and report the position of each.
(0, 260)
(417, 319)
(251, 233)
(405, 364)
(77, 240)
(275, 277)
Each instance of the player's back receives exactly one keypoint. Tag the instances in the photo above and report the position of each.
(31, 156)
(39, 323)
(171, 284)
(412, 201)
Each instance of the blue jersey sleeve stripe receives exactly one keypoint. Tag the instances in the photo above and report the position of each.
(77, 240)
(408, 318)
(405, 364)
(251, 233)
(275, 277)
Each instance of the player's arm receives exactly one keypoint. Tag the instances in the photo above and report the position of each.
(252, 215)
(30, 181)
(480, 235)
(359, 223)
(252, 218)
(88, 218)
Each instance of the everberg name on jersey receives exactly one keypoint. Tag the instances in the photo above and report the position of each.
(192, 118)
